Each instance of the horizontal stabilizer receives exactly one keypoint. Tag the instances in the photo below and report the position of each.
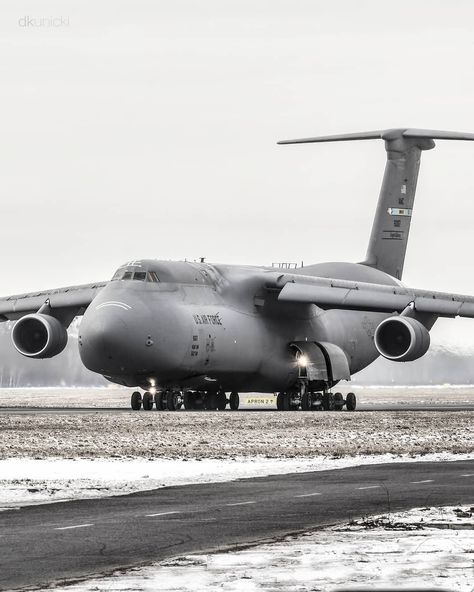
(388, 134)
(437, 134)
(337, 138)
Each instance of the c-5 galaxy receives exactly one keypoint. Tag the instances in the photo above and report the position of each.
(197, 334)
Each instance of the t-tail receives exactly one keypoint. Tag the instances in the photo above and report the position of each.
(389, 236)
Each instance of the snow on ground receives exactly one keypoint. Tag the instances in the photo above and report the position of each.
(59, 456)
(427, 547)
(31, 481)
(227, 435)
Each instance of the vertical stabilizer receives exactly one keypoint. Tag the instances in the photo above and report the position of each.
(391, 226)
(389, 236)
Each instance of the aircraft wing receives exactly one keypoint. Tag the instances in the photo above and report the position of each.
(70, 301)
(331, 293)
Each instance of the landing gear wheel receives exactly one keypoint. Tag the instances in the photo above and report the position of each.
(285, 402)
(199, 402)
(338, 401)
(147, 401)
(159, 401)
(172, 401)
(293, 406)
(351, 402)
(136, 401)
(306, 402)
(188, 399)
(280, 398)
(210, 402)
(234, 401)
(328, 402)
(221, 401)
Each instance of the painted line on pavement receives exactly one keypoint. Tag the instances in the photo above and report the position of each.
(241, 503)
(308, 494)
(75, 526)
(424, 481)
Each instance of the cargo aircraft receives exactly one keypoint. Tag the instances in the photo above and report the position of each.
(198, 334)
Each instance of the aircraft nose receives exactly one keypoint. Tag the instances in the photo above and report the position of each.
(105, 340)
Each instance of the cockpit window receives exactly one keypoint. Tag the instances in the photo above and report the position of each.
(152, 277)
(130, 274)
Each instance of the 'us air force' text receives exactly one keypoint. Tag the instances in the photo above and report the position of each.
(205, 319)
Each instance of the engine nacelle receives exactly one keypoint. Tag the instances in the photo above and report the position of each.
(401, 339)
(39, 336)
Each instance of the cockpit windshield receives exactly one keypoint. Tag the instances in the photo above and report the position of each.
(125, 273)
(166, 272)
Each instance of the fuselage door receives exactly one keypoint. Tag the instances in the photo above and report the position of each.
(310, 360)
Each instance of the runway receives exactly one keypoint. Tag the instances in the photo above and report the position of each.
(30, 410)
(46, 543)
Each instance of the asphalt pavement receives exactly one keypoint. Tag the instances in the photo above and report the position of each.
(31, 410)
(72, 540)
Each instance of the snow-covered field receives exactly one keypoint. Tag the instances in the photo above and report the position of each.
(231, 435)
(29, 481)
(428, 547)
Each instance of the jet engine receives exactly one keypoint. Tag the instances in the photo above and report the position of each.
(39, 336)
(401, 339)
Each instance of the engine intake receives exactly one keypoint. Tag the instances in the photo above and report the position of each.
(39, 336)
(401, 339)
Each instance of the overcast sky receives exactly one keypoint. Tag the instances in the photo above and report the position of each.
(148, 129)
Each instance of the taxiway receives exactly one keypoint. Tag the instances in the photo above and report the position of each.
(46, 543)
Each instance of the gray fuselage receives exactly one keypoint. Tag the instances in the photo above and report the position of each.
(203, 326)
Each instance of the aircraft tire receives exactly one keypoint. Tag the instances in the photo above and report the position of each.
(338, 401)
(351, 402)
(234, 401)
(188, 399)
(136, 401)
(159, 401)
(210, 402)
(199, 401)
(306, 402)
(286, 402)
(221, 401)
(280, 397)
(147, 401)
(171, 402)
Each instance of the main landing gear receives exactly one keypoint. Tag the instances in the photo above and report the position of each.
(173, 400)
(301, 398)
